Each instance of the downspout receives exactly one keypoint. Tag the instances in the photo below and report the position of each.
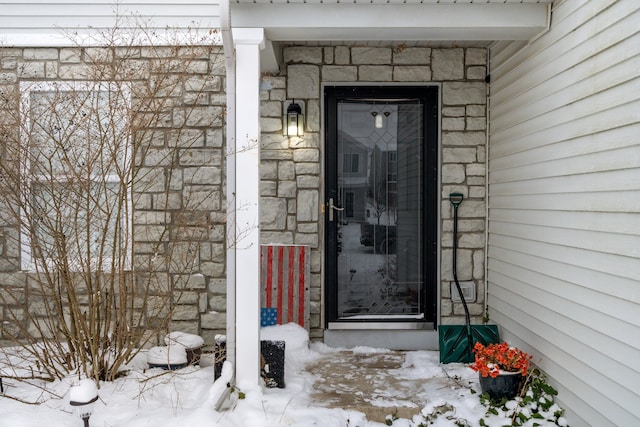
(547, 27)
(230, 67)
(485, 315)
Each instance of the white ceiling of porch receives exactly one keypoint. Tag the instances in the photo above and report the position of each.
(392, 20)
(396, 1)
(387, 22)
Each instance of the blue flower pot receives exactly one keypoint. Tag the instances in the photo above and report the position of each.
(506, 385)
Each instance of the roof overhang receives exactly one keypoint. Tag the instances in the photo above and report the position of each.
(390, 22)
(297, 22)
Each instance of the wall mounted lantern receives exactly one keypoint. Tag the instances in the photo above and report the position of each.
(293, 120)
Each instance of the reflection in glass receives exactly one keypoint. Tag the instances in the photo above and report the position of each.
(380, 185)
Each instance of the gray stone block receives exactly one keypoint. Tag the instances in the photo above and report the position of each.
(459, 155)
(31, 70)
(303, 54)
(447, 64)
(412, 55)
(273, 213)
(374, 73)
(342, 55)
(268, 188)
(287, 189)
(40, 53)
(463, 138)
(462, 93)
(454, 123)
(371, 55)
(307, 205)
(307, 181)
(286, 170)
(282, 237)
(453, 173)
(306, 155)
(476, 73)
(475, 56)
(339, 73)
(413, 73)
(304, 82)
(479, 123)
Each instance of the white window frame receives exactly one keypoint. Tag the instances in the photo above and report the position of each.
(348, 164)
(27, 261)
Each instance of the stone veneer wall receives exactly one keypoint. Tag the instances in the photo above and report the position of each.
(191, 193)
(291, 168)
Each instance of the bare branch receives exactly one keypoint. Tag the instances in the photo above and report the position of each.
(110, 186)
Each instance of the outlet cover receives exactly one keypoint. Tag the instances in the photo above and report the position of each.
(468, 290)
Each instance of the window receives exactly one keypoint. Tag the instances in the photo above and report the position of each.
(351, 163)
(349, 204)
(75, 170)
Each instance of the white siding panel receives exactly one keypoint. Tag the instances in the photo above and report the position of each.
(620, 138)
(626, 245)
(571, 373)
(552, 309)
(607, 70)
(579, 127)
(607, 266)
(590, 106)
(502, 51)
(619, 201)
(576, 176)
(50, 18)
(564, 205)
(608, 222)
(576, 33)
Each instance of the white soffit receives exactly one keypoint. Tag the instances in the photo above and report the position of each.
(315, 21)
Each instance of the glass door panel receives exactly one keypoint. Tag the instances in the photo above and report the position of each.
(377, 187)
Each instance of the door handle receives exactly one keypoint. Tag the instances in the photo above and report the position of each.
(332, 208)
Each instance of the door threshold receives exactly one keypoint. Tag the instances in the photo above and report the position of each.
(383, 317)
(399, 323)
(407, 340)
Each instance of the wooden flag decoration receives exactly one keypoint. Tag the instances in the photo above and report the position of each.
(285, 275)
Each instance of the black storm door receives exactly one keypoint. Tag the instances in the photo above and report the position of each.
(381, 180)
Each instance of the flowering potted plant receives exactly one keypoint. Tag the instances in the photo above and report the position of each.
(501, 369)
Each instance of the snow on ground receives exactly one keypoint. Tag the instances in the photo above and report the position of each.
(153, 397)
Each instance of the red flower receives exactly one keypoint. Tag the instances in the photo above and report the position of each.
(493, 358)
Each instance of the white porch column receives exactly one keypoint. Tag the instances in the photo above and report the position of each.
(248, 43)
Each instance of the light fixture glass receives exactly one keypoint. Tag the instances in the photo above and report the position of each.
(378, 121)
(293, 120)
(83, 397)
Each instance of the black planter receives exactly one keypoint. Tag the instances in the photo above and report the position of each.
(219, 357)
(273, 363)
(504, 385)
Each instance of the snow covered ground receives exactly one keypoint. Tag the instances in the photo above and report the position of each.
(153, 397)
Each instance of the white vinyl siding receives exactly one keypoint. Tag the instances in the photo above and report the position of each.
(22, 21)
(564, 205)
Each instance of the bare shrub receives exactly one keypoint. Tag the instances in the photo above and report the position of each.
(109, 186)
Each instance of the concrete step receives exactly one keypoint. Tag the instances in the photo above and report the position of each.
(382, 338)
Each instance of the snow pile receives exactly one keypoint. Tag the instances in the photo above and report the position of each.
(188, 341)
(84, 392)
(297, 352)
(189, 396)
(170, 355)
(369, 350)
